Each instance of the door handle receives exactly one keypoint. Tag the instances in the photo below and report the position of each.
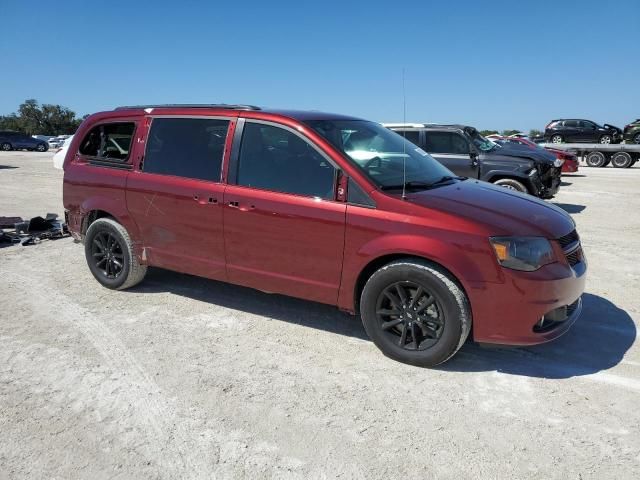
(234, 204)
(211, 200)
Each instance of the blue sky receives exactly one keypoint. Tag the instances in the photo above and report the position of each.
(488, 64)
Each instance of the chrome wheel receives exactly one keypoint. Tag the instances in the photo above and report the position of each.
(556, 139)
(605, 139)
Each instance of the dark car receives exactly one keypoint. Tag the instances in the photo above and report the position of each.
(19, 141)
(323, 207)
(570, 162)
(580, 131)
(463, 150)
(632, 132)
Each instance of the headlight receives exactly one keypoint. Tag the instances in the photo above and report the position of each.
(522, 253)
(558, 162)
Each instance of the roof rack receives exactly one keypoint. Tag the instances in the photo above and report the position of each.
(190, 105)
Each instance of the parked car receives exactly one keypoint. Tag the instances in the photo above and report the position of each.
(328, 208)
(580, 131)
(632, 132)
(10, 140)
(570, 162)
(464, 151)
(58, 158)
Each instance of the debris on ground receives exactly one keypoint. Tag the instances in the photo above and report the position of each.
(17, 230)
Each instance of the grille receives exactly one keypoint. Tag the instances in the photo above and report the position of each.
(575, 257)
(568, 239)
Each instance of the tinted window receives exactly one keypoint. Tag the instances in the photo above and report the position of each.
(357, 196)
(109, 141)
(276, 159)
(586, 124)
(412, 135)
(571, 123)
(446, 142)
(186, 147)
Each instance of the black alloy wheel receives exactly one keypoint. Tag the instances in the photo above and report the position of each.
(410, 316)
(108, 255)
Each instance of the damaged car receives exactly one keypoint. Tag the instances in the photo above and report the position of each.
(465, 152)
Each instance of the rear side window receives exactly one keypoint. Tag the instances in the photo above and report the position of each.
(412, 135)
(571, 123)
(109, 141)
(273, 158)
(445, 142)
(186, 147)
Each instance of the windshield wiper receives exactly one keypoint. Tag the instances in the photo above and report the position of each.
(415, 184)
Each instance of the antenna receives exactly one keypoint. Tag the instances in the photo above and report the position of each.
(404, 143)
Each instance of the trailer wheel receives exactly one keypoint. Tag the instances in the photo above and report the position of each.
(596, 159)
(621, 160)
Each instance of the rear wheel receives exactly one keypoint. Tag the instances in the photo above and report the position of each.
(621, 160)
(5, 147)
(556, 139)
(415, 312)
(596, 159)
(511, 184)
(109, 253)
(606, 139)
(41, 147)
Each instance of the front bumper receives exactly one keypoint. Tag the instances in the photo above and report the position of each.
(510, 312)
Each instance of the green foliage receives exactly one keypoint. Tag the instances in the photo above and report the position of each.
(484, 133)
(506, 133)
(32, 118)
(535, 133)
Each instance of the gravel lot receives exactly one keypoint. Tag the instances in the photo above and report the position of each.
(183, 377)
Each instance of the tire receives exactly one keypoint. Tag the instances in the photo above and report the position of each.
(557, 139)
(621, 160)
(636, 138)
(606, 139)
(439, 317)
(6, 147)
(596, 159)
(41, 147)
(100, 235)
(511, 184)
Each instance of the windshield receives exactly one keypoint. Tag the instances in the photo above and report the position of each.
(483, 144)
(384, 156)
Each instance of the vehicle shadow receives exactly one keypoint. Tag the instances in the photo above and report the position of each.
(570, 207)
(277, 307)
(7, 167)
(565, 184)
(573, 175)
(597, 341)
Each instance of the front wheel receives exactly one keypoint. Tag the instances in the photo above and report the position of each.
(511, 184)
(415, 312)
(41, 147)
(556, 139)
(109, 253)
(606, 139)
(636, 138)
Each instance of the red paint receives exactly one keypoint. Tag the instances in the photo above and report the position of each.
(317, 249)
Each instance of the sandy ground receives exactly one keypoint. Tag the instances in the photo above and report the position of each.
(188, 378)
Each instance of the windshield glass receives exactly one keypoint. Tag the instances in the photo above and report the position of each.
(483, 144)
(384, 156)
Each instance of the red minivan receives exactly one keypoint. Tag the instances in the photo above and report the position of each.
(328, 208)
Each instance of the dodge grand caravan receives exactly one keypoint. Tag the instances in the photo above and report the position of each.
(328, 208)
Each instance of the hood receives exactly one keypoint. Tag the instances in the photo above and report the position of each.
(502, 211)
(524, 151)
(611, 127)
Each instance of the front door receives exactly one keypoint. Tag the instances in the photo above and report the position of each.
(453, 151)
(175, 196)
(284, 230)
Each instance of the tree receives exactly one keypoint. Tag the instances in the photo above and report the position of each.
(535, 133)
(484, 133)
(507, 133)
(47, 119)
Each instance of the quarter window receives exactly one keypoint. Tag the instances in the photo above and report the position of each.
(412, 135)
(109, 141)
(186, 147)
(273, 158)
